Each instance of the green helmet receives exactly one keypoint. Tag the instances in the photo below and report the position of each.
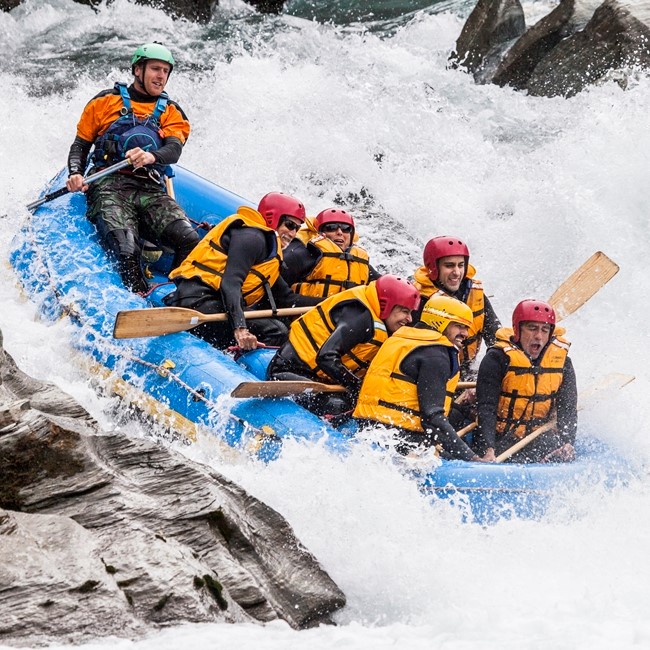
(153, 50)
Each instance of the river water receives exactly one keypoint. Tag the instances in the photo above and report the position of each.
(363, 109)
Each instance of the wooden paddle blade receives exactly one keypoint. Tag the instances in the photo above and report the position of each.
(155, 321)
(283, 388)
(581, 285)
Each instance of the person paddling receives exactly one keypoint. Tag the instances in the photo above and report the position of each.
(336, 341)
(142, 124)
(410, 384)
(525, 381)
(237, 264)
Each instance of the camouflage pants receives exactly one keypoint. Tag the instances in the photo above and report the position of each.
(127, 202)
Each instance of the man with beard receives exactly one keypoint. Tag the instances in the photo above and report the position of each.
(411, 382)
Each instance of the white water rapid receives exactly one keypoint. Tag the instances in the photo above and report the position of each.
(534, 185)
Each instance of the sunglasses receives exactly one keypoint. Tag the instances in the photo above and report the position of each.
(290, 225)
(333, 227)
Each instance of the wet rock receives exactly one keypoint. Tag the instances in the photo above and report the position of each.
(579, 43)
(616, 39)
(196, 10)
(41, 395)
(268, 6)
(519, 63)
(101, 534)
(490, 29)
(8, 5)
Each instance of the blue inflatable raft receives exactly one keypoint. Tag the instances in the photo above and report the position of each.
(182, 382)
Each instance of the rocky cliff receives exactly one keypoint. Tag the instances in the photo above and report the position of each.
(102, 534)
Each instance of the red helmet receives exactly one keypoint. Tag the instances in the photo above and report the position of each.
(332, 215)
(392, 291)
(532, 310)
(443, 247)
(275, 205)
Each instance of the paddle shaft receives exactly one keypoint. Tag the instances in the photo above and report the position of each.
(470, 427)
(89, 179)
(169, 186)
(524, 442)
(156, 321)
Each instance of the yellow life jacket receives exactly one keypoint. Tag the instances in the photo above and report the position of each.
(387, 394)
(208, 259)
(312, 329)
(475, 300)
(335, 271)
(528, 392)
(307, 231)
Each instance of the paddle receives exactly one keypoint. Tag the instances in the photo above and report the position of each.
(582, 284)
(288, 388)
(169, 186)
(89, 179)
(283, 388)
(155, 321)
(613, 380)
(470, 427)
(524, 442)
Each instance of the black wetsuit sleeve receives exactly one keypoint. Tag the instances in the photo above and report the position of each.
(78, 156)
(284, 297)
(373, 273)
(299, 260)
(491, 323)
(488, 388)
(170, 151)
(246, 247)
(567, 405)
(431, 367)
(353, 325)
